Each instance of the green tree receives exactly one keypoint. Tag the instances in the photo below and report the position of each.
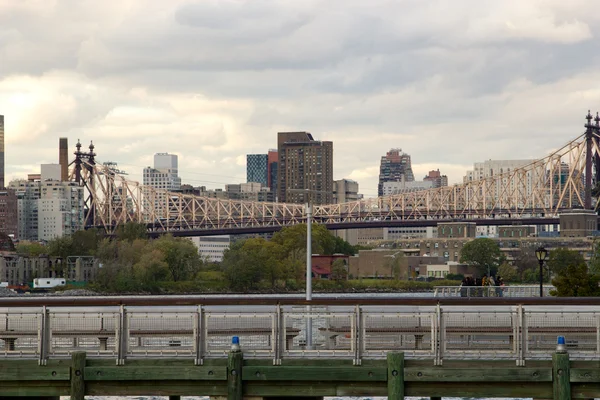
(575, 280)
(483, 253)
(85, 242)
(507, 272)
(180, 255)
(339, 271)
(343, 247)
(61, 247)
(594, 264)
(131, 231)
(247, 264)
(151, 270)
(294, 237)
(561, 258)
(31, 249)
(525, 261)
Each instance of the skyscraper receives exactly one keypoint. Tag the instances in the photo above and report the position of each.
(395, 167)
(164, 175)
(1, 151)
(272, 161)
(304, 163)
(257, 168)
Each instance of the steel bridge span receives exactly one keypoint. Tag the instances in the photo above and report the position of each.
(535, 194)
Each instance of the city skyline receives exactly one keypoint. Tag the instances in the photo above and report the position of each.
(450, 83)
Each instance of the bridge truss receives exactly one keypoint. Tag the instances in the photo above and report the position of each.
(545, 187)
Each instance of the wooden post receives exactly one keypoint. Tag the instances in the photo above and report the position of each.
(395, 376)
(561, 376)
(234, 375)
(77, 375)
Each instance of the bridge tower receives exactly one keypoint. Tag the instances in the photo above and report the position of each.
(85, 170)
(589, 134)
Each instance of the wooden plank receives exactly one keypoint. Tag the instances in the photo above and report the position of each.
(159, 388)
(442, 374)
(314, 373)
(33, 372)
(583, 375)
(538, 390)
(140, 373)
(35, 389)
(292, 389)
(395, 376)
(235, 361)
(78, 375)
(562, 376)
(585, 390)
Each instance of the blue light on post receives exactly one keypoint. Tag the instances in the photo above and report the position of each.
(235, 343)
(560, 345)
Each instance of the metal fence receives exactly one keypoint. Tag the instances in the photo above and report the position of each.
(511, 332)
(492, 291)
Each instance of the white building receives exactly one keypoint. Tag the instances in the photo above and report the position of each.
(60, 209)
(212, 248)
(492, 168)
(164, 176)
(405, 187)
(50, 172)
(345, 190)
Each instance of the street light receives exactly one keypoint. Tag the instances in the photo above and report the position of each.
(541, 253)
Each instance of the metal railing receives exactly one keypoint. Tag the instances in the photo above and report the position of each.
(435, 332)
(491, 291)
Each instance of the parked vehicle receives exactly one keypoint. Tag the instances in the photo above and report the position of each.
(47, 283)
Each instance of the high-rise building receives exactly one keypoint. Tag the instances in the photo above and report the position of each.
(257, 168)
(437, 178)
(305, 167)
(28, 196)
(394, 167)
(8, 212)
(272, 162)
(2, 183)
(164, 175)
(345, 190)
(490, 168)
(60, 209)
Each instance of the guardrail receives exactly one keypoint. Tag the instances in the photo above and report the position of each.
(277, 332)
(492, 291)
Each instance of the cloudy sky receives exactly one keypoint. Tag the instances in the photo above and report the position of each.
(450, 82)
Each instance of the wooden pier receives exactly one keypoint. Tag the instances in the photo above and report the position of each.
(235, 378)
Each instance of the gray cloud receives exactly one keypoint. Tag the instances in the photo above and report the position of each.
(451, 83)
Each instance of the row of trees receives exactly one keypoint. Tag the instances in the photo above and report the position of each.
(565, 269)
(279, 263)
(130, 262)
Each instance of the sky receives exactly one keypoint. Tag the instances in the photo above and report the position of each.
(449, 82)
